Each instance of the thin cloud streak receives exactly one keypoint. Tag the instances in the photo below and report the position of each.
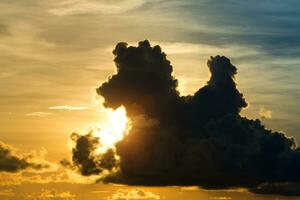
(68, 107)
(39, 114)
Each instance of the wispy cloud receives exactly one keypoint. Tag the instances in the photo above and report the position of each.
(189, 48)
(69, 7)
(39, 114)
(68, 107)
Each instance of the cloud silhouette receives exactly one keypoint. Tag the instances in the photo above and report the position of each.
(10, 161)
(85, 158)
(198, 139)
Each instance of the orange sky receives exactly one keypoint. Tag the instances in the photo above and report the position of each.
(55, 53)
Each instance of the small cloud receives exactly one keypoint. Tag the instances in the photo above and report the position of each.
(68, 107)
(190, 188)
(133, 194)
(51, 194)
(220, 198)
(264, 113)
(39, 114)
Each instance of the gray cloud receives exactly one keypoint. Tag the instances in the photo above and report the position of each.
(265, 23)
(287, 189)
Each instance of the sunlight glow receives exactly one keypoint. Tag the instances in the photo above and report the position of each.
(114, 130)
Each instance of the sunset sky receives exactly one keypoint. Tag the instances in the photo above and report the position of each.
(55, 53)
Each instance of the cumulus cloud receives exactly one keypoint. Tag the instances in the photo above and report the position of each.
(11, 161)
(199, 139)
(264, 113)
(68, 107)
(85, 158)
(133, 194)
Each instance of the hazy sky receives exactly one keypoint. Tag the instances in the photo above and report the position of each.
(54, 53)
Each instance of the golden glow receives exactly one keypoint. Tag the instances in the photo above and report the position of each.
(114, 130)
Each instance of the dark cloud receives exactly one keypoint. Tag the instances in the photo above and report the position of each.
(287, 189)
(85, 158)
(198, 139)
(10, 161)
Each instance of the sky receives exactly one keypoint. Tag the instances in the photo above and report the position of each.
(55, 53)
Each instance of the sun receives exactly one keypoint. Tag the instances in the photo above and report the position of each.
(113, 130)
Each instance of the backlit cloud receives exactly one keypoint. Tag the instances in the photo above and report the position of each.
(265, 113)
(198, 139)
(133, 194)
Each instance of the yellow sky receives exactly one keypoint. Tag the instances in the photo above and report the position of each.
(55, 53)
